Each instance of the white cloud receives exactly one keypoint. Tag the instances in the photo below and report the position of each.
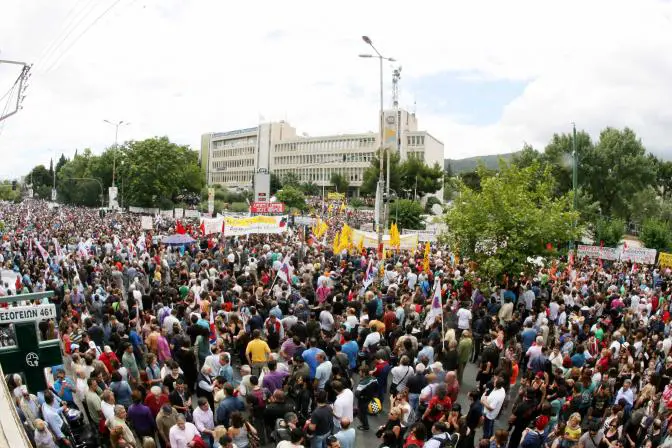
(181, 68)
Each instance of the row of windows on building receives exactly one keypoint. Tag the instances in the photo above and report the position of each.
(416, 140)
(364, 157)
(327, 145)
(236, 143)
(323, 175)
(416, 155)
(232, 163)
(241, 178)
(232, 152)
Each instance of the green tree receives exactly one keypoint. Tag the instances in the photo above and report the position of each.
(616, 169)
(77, 184)
(527, 156)
(406, 214)
(276, 183)
(40, 176)
(339, 182)
(158, 170)
(431, 201)
(8, 194)
(664, 178)
(416, 177)
(608, 231)
(310, 189)
(513, 216)
(292, 197)
(370, 177)
(61, 161)
(356, 203)
(291, 179)
(558, 154)
(656, 234)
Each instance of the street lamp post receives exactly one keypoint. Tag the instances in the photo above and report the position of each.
(575, 178)
(381, 182)
(116, 145)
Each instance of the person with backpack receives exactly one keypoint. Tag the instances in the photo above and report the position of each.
(366, 390)
(441, 438)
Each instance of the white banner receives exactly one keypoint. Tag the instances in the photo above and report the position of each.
(144, 211)
(166, 213)
(605, 253)
(146, 222)
(304, 221)
(179, 213)
(639, 255)
(212, 225)
(371, 240)
(423, 235)
(255, 224)
(192, 214)
(27, 313)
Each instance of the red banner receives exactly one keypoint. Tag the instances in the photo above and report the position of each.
(267, 207)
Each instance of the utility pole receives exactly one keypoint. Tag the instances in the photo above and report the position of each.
(575, 177)
(21, 84)
(381, 183)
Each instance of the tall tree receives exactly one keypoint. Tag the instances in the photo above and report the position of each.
(291, 179)
(276, 183)
(420, 178)
(664, 178)
(513, 216)
(559, 155)
(371, 174)
(339, 182)
(159, 171)
(616, 169)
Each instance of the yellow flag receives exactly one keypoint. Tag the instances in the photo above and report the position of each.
(425, 263)
(330, 209)
(337, 243)
(342, 209)
(395, 240)
(360, 245)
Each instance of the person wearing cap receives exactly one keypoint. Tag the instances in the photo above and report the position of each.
(165, 420)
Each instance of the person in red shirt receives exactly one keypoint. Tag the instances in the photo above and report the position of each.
(390, 318)
(155, 399)
(438, 406)
(107, 357)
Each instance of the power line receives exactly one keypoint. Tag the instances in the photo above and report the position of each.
(82, 34)
(69, 19)
(83, 14)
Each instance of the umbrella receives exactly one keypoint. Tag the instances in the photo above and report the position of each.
(177, 239)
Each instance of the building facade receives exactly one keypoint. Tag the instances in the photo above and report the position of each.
(232, 158)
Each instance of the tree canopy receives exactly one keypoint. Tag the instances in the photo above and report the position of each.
(406, 178)
(514, 215)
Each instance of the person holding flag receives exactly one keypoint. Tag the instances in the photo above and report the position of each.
(437, 306)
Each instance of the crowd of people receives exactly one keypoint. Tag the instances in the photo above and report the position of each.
(275, 340)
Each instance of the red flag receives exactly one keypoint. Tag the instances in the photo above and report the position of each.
(179, 228)
(18, 284)
(625, 245)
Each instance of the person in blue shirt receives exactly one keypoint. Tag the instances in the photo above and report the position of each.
(310, 356)
(227, 406)
(351, 349)
(579, 358)
(528, 336)
(65, 387)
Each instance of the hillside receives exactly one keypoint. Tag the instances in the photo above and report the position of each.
(469, 164)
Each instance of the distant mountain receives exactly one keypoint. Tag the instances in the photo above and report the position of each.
(469, 164)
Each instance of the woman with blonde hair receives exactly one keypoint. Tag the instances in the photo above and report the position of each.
(572, 430)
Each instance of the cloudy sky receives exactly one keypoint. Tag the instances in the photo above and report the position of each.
(483, 76)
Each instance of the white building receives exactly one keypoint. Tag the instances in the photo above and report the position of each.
(232, 158)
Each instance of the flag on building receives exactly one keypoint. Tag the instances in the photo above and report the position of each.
(437, 305)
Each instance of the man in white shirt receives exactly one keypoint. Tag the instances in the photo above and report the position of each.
(492, 405)
(463, 318)
(182, 433)
(204, 419)
(343, 406)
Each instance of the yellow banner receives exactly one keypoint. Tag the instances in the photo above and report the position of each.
(254, 224)
(335, 196)
(665, 260)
